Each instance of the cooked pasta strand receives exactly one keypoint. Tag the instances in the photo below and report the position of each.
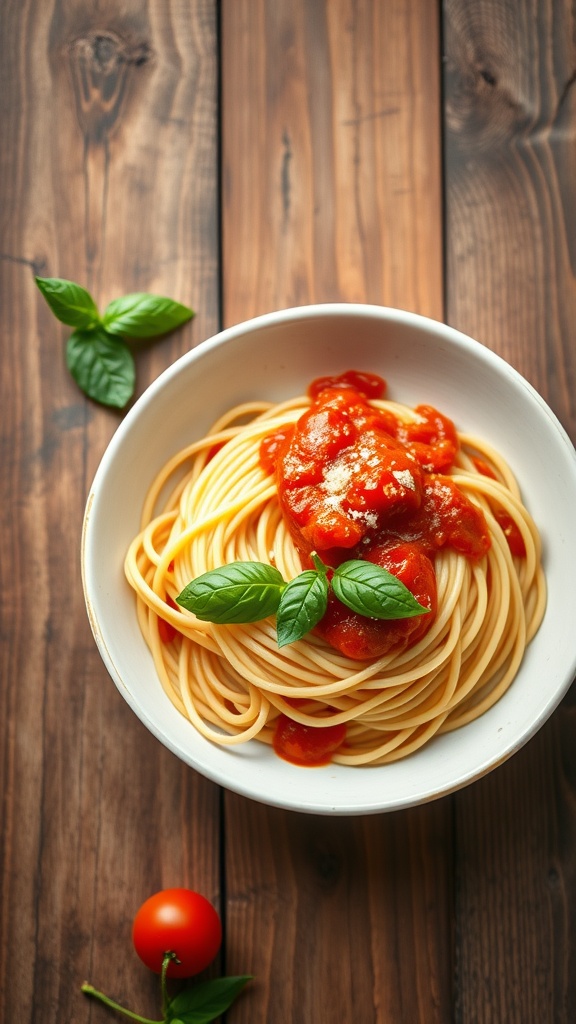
(213, 504)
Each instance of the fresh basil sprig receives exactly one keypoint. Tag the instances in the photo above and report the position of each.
(103, 368)
(200, 1003)
(239, 592)
(69, 302)
(97, 356)
(250, 591)
(372, 591)
(205, 1001)
(302, 604)
(143, 316)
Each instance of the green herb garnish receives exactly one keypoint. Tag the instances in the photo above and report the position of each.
(238, 592)
(205, 1001)
(250, 591)
(97, 356)
(201, 1003)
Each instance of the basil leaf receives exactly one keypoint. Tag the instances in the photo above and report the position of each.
(238, 592)
(102, 366)
(69, 302)
(373, 591)
(302, 605)
(205, 1001)
(144, 316)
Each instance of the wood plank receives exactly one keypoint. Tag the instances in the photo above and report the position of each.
(511, 257)
(108, 175)
(331, 190)
(510, 205)
(342, 917)
(341, 196)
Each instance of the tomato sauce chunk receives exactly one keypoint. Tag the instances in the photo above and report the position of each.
(340, 470)
(362, 638)
(368, 384)
(446, 518)
(306, 745)
(271, 446)
(356, 482)
(431, 438)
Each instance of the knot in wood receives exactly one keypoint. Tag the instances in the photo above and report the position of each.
(101, 65)
(104, 52)
(328, 868)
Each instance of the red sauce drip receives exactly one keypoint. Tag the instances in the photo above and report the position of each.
(214, 450)
(511, 532)
(432, 440)
(506, 523)
(368, 384)
(355, 482)
(166, 631)
(306, 745)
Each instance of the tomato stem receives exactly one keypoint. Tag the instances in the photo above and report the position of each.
(89, 990)
(168, 957)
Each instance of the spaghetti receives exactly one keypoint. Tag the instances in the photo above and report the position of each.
(217, 502)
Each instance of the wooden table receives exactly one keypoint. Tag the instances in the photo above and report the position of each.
(241, 157)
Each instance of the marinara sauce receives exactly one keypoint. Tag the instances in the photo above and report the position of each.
(354, 481)
(307, 745)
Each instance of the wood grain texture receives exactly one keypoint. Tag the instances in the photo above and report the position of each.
(109, 176)
(510, 94)
(332, 184)
(510, 241)
(331, 190)
(331, 167)
(343, 919)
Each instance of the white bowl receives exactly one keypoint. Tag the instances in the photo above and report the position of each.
(273, 357)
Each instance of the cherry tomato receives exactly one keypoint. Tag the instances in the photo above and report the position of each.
(177, 921)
